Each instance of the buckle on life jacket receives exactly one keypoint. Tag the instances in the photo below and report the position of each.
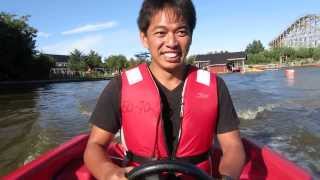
(127, 158)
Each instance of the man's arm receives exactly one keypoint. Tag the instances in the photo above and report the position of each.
(96, 158)
(233, 155)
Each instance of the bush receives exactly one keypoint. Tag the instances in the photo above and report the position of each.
(257, 54)
(255, 47)
(303, 53)
(17, 45)
(258, 58)
(40, 68)
(316, 54)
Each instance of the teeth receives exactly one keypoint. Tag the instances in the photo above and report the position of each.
(171, 55)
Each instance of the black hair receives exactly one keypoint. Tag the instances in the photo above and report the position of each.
(182, 8)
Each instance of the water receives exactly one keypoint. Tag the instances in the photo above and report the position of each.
(280, 112)
(37, 118)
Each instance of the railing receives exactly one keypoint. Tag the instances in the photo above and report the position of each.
(79, 76)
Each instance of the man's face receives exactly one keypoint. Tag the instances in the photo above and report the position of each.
(168, 39)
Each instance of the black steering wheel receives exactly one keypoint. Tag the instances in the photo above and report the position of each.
(156, 167)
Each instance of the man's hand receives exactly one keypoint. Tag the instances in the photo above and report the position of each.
(96, 158)
(233, 157)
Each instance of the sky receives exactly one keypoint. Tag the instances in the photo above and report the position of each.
(109, 26)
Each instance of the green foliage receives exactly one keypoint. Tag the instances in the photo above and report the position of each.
(93, 60)
(254, 47)
(316, 54)
(17, 46)
(40, 67)
(286, 53)
(134, 62)
(115, 63)
(76, 61)
(257, 58)
(270, 56)
(191, 59)
(304, 53)
(257, 55)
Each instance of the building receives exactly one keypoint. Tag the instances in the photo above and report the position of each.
(61, 64)
(221, 62)
(60, 60)
(304, 32)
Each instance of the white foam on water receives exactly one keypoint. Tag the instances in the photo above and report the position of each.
(279, 142)
(29, 159)
(38, 148)
(86, 113)
(86, 106)
(251, 114)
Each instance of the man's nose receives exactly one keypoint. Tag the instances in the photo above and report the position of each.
(171, 40)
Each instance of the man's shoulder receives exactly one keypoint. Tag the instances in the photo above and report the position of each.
(193, 67)
(116, 79)
(114, 84)
(219, 80)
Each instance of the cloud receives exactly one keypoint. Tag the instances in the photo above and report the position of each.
(123, 41)
(43, 34)
(84, 44)
(91, 28)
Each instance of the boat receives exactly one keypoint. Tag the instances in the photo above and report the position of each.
(66, 162)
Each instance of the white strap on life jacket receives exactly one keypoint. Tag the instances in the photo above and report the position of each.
(123, 142)
(134, 76)
(203, 77)
(182, 100)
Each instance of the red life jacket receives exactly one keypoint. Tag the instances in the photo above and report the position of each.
(142, 126)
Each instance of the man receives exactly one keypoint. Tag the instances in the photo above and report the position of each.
(169, 109)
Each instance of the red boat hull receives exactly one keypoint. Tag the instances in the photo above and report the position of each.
(65, 162)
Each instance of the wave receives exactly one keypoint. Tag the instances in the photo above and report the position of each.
(87, 106)
(86, 113)
(251, 114)
(41, 144)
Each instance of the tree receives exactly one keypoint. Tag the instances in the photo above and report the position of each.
(191, 59)
(115, 63)
(257, 58)
(40, 67)
(76, 61)
(254, 47)
(17, 46)
(132, 62)
(304, 53)
(316, 54)
(93, 60)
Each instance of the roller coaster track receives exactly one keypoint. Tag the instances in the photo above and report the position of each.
(304, 32)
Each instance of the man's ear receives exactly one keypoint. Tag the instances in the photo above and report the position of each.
(144, 40)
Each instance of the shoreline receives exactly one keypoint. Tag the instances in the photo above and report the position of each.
(51, 81)
(280, 66)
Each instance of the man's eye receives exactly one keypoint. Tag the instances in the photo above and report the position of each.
(182, 33)
(160, 33)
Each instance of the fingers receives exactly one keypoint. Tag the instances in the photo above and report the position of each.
(128, 169)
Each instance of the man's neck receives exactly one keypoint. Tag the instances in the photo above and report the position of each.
(169, 79)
